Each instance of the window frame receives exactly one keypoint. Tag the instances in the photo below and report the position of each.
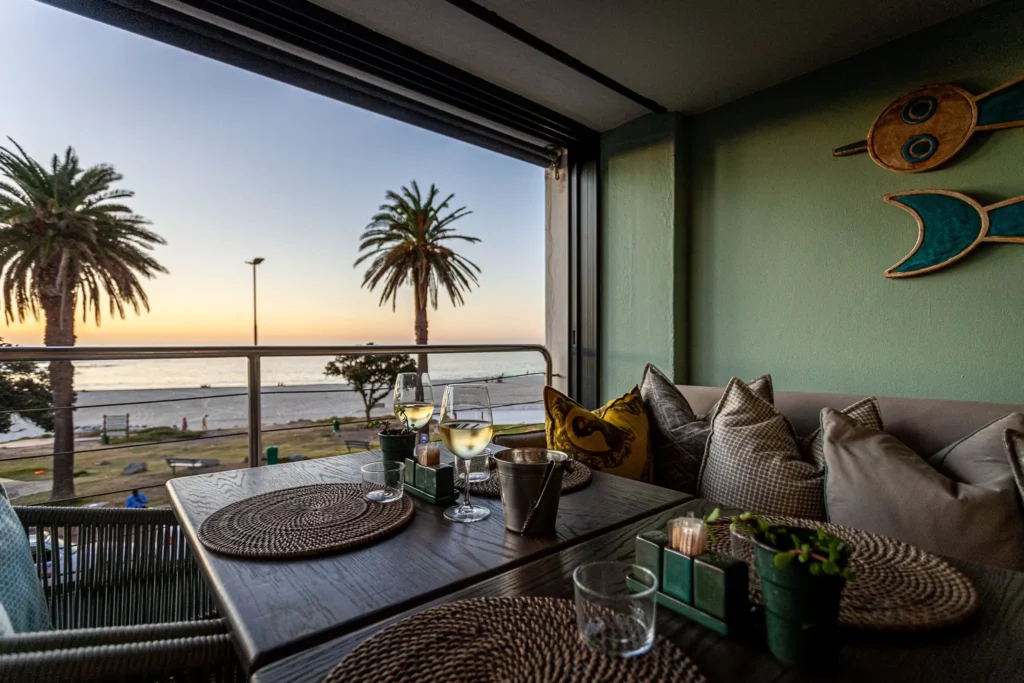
(380, 74)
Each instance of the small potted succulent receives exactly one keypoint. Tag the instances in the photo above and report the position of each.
(396, 442)
(803, 573)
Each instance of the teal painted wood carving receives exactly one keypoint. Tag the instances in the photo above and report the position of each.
(950, 225)
(928, 126)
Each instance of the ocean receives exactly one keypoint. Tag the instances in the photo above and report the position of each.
(231, 372)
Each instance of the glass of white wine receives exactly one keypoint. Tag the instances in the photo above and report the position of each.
(414, 399)
(466, 428)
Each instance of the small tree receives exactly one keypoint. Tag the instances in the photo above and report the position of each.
(372, 376)
(24, 391)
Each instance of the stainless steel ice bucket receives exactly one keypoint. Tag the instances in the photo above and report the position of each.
(531, 484)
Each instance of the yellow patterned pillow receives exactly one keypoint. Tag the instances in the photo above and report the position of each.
(612, 439)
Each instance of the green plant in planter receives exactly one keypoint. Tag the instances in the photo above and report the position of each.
(387, 430)
(396, 443)
(803, 573)
(822, 552)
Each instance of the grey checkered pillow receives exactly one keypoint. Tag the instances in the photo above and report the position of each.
(865, 411)
(752, 460)
(762, 387)
(678, 436)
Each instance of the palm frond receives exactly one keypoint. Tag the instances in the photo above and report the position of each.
(402, 244)
(67, 241)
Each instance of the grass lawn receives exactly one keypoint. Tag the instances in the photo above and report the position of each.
(101, 471)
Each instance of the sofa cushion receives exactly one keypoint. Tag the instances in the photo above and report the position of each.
(678, 436)
(968, 508)
(611, 439)
(21, 594)
(752, 460)
(865, 411)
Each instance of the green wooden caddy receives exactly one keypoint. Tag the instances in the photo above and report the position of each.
(710, 589)
(433, 484)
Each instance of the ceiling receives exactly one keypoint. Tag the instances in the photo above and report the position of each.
(687, 55)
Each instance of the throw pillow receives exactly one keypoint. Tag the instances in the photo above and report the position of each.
(865, 411)
(752, 460)
(762, 387)
(969, 509)
(678, 436)
(1014, 442)
(611, 439)
(21, 594)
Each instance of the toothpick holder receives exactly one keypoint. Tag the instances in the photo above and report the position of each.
(709, 588)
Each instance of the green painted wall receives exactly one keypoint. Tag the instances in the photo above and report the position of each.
(642, 222)
(789, 244)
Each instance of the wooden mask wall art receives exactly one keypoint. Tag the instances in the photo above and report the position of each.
(928, 126)
(950, 225)
(923, 130)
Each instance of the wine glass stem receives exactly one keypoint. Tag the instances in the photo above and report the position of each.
(467, 502)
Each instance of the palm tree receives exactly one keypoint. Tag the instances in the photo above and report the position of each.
(406, 240)
(65, 240)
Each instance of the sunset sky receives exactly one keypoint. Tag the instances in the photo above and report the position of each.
(229, 165)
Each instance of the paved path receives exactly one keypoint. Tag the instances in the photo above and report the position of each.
(17, 489)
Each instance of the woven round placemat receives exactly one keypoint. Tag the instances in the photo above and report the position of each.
(531, 640)
(491, 487)
(306, 520)
(896, 586)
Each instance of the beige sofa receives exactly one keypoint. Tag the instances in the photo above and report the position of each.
(926, 425)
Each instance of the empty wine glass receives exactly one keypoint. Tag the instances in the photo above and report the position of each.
(466, 428)
(414, 399)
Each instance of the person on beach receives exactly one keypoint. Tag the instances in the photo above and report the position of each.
(203, 423)
(184, 424)
(137, 500)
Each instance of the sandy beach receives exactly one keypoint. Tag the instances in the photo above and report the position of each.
(226, 407)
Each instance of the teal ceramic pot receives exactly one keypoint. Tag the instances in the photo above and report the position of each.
(801, 611)
(397, 447)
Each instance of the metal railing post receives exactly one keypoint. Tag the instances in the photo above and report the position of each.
(255, 411)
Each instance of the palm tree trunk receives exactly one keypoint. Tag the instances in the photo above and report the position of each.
(60, 331)
(421, 328)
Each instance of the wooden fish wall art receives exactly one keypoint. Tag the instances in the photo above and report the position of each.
(950, 225)
(928, 126)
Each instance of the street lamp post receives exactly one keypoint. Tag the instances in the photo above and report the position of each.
(255, 262)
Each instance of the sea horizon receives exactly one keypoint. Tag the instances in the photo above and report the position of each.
(192, 373)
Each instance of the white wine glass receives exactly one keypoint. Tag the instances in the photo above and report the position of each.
(414, 399)
(466, 428)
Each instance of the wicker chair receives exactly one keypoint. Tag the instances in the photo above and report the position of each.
(127, 602)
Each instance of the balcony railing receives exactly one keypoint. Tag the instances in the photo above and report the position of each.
(253, 356)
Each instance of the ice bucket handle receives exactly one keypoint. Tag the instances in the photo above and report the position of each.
(548, 471)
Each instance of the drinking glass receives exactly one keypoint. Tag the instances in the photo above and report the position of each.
(615, 607)
(466, 428)
(414, 399)
(479, 467)
(383, 482)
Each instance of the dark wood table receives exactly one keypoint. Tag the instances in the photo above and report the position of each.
(277, 608)
(986, 648)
